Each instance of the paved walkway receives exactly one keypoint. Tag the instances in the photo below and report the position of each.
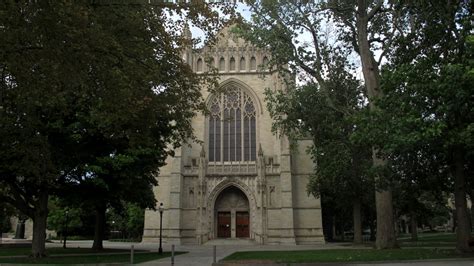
(198, 255)
(203, 255)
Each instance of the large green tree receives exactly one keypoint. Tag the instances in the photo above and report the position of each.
(370, 28)
(295, 34)
(341, 175)
(428, 98)
(86, 87)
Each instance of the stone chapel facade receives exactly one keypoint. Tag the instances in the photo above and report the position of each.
(242, 181)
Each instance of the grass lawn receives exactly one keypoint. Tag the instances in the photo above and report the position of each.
(345, 255)
(78, 256)
(430, 240)
(90, 259)
(432, 237)
(25, 251)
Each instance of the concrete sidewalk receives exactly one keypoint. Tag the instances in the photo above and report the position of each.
(198, 255)
(203, 255)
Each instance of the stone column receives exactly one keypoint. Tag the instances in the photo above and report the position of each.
(172, 213)
(201, 202)
(287, 235)
(261, 198)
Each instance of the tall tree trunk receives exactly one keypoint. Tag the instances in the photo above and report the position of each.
(413, 226)
(372, 231)
(463, 230)
(357, 221)
(99, 230)
(38, 245)
(397, 227)
(385, 237)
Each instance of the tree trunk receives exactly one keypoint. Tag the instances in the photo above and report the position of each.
(99, 230)
(413, 226)
(342, 232)
(385, 237)
(38, 245)
(463, 230)
(372, 231)
(396, 227)
(357, 221)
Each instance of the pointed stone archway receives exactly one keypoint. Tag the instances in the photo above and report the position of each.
(232, 214)
(231, 211)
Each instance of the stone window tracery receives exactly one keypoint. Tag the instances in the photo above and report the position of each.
(199, 65)
(232, 64)
(253, 63)
(232, 126)
(265, 62)
(242, 63)
(222, 64)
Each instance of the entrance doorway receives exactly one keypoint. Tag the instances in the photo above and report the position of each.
(242, 224)
(232, 214)
(223, 224)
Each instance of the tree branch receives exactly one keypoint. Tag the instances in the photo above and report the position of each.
(18, 201)
(374, 10)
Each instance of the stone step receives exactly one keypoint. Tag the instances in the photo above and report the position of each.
(230, 242)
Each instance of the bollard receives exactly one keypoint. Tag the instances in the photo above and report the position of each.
(172, 254)
(214, 251)
(131, 255)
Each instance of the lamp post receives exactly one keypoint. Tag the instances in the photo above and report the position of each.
(65, 229)
(160, 209)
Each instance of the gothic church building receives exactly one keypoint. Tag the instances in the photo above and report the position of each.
(242, 181)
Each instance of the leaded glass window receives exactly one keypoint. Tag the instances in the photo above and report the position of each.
(232, 127)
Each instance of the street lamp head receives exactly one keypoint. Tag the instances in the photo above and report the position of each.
(161, 208)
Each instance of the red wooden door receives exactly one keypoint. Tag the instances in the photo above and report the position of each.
(242, 223)
(223, 224)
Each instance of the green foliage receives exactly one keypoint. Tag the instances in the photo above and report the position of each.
(128, 221)
(327, 116)
(324, 106)
(61, 217)
(423, 123)
(427, 108)
(92, 94)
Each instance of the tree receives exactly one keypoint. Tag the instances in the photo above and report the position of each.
(62, 218)
(114, 187)
(370, 27)
(281, 28)
(85, 85)
(428, 97)
(321, 108)
(129, 221)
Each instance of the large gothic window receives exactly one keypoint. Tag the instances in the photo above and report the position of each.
(232, 126)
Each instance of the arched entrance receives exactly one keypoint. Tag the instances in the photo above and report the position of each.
(232, 214)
